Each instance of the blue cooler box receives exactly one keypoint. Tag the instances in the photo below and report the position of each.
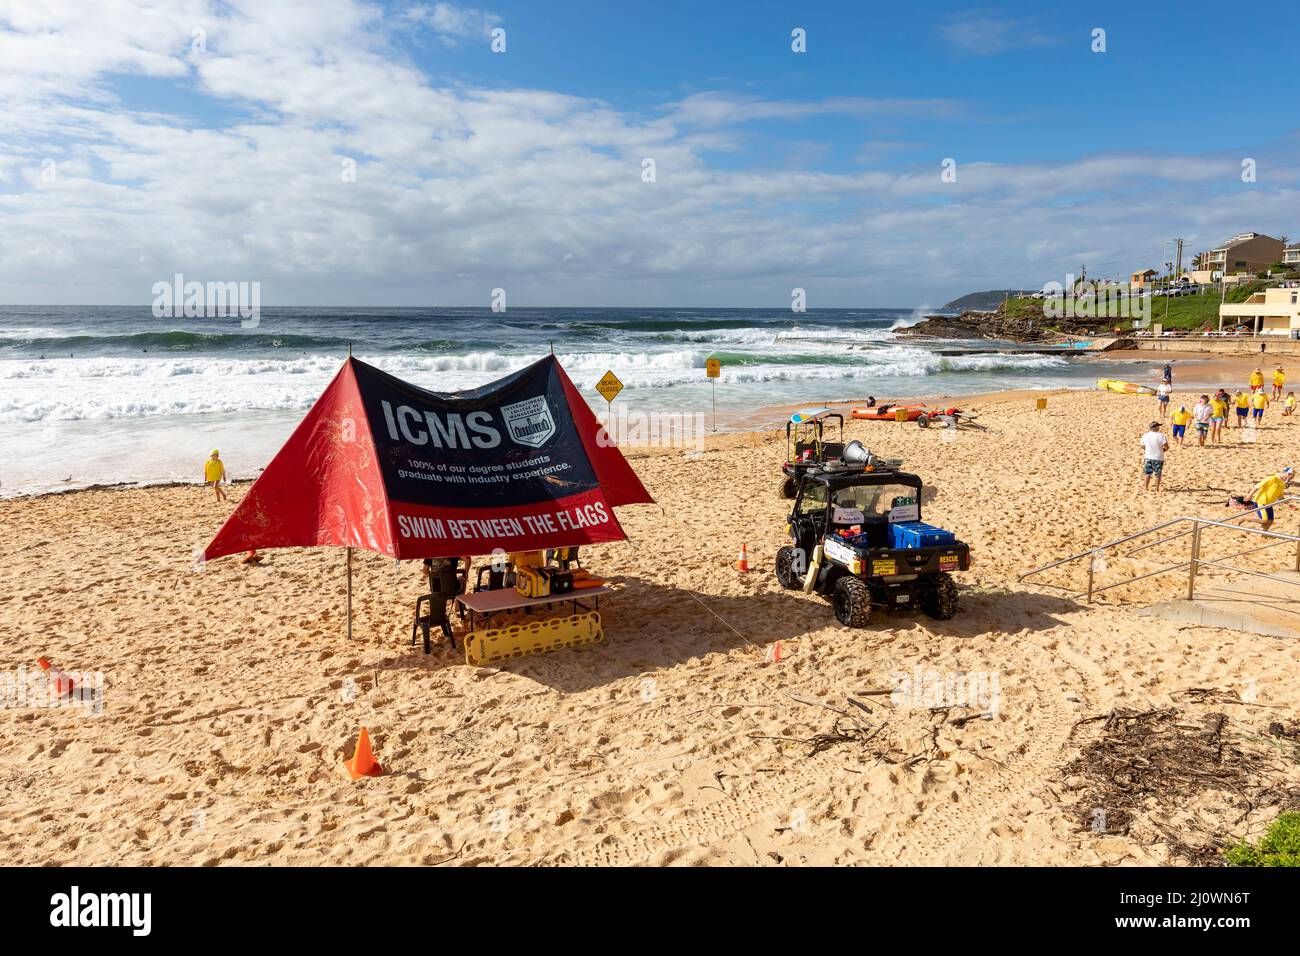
(918, 534)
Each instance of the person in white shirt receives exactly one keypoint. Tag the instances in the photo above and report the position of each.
(1163, 391)
(1201, 414)
(1154, 445)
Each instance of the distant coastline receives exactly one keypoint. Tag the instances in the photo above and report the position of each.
(983, 301)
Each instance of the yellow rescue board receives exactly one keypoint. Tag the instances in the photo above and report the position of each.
(1124, 388)
(535, 637)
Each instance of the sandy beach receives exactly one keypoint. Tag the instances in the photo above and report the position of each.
(231, 695)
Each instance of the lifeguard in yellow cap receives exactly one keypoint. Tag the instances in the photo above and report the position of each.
(214, 472)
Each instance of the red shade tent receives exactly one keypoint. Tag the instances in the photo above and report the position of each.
(520, 464)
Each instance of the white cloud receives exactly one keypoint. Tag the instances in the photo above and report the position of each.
(452, 23)
(987, 34)
(727, 109)
(460, 190)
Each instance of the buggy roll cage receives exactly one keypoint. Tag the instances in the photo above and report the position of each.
(810, 422)
(848, 476)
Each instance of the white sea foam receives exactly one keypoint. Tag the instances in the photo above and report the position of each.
(110, 388)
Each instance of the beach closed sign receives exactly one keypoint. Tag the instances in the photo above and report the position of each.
(609, 386)
(712, 368)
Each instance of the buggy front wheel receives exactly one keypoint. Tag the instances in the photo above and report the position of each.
(852, 602)
(786, 575)
(787, 489)
(923, 420)
(939, 600)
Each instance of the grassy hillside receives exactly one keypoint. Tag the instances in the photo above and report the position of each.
(1181, 312)
(1198, 311)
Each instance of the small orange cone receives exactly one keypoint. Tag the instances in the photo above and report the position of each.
(363, 762)
(63, 684)
(742, 560)
(774, 653)
(250, 557)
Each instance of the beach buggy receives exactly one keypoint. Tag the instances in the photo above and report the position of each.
(858, 539)
(806, 447)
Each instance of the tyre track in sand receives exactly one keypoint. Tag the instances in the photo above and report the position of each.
(943, 831)
(695, 824)
(943, 828)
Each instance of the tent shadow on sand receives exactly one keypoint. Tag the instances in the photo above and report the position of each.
(640, 641)
(632, 620)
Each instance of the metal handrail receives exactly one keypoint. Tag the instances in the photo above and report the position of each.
(1103, 547)
(1258, 574)
(1194, 562)
(1232, 527)
(1182, 534)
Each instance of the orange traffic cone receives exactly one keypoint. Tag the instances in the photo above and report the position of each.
(63, 684)
(742, 560)
(363, 762)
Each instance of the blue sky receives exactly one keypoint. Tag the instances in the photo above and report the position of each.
(523, 169)
(1017, 69)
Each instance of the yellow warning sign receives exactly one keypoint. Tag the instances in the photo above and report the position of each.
(712, 368)
(609, 386)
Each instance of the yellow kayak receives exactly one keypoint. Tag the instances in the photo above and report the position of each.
(1124, 388)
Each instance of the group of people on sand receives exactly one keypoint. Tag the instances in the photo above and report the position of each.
(1262, 496)
(1209, 416)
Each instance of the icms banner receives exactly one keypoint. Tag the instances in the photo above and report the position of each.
(381, 464)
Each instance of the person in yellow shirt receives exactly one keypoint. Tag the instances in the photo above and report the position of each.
(1181, 419)
(1268, 492)
(1258, 403)
(214, 471)
(1279, 379)
(1289, 409)
(1256, 380)
(1242, 401)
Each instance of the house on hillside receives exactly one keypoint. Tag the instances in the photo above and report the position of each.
(1291, 255)
(1140, 280)
(1270, 312)
(1247, 252)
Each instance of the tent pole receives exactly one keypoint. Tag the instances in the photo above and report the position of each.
(349, 594)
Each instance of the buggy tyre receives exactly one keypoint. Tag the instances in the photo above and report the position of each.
(852, 601)
(923, 420)
(787, 489)
(939, 600)
(786, 575)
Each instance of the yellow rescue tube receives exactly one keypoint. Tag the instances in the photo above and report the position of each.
(1124, 388)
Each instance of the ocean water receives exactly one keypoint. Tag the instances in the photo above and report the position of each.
(100, 394)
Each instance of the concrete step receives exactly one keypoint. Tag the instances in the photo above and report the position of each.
(1256, 605)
